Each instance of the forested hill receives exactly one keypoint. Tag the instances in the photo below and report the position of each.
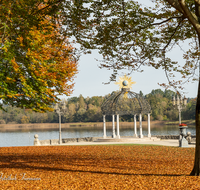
(82, 109)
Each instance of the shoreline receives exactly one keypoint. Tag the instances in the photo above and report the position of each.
(53, 126)
(109, 140)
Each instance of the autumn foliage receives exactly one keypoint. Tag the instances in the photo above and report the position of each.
(97, 167)
(37, 62)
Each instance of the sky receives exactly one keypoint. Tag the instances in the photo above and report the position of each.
(89, 81)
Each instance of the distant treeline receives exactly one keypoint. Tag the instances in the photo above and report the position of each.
(80, 109)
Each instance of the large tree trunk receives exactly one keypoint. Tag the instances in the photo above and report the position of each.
(183, 8)
(196, 169)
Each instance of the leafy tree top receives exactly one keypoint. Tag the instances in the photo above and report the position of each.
(130, 36)
(36, 61)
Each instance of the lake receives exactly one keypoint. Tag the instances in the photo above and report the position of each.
(26, 138)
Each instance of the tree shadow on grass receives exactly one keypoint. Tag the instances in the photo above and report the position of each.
(24, 166)
(77, 161)
(27, 163)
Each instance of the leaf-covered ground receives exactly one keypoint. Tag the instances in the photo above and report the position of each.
(97, 167)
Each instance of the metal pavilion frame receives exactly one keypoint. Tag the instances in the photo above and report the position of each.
(125, 102)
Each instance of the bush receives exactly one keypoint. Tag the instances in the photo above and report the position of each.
(25, 119)
(159, 117)
(2, 121)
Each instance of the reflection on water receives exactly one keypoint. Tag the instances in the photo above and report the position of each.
(26, 138)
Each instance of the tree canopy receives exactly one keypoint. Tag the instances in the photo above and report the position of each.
(80, 109)
(37, 61)
(130, 35)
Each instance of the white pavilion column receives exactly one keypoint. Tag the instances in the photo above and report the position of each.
(118, 136)
(140, 119)
(113, 126)
(104, 126)
(149, 130)
(135, 127)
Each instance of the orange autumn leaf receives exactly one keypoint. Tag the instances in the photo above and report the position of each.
(37, 62)
(97, 167)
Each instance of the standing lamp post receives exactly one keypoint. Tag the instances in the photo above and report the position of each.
(180, 103)
(60, 109)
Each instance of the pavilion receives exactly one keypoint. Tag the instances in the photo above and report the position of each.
(125, 102)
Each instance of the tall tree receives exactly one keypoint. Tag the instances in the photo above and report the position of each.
(36, 61)
(130, 36)
(81, 102)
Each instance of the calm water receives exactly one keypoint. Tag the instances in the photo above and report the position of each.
(26, 138)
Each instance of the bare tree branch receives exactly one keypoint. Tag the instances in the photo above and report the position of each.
(154, 24)
(171, 37)
(159, 23)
